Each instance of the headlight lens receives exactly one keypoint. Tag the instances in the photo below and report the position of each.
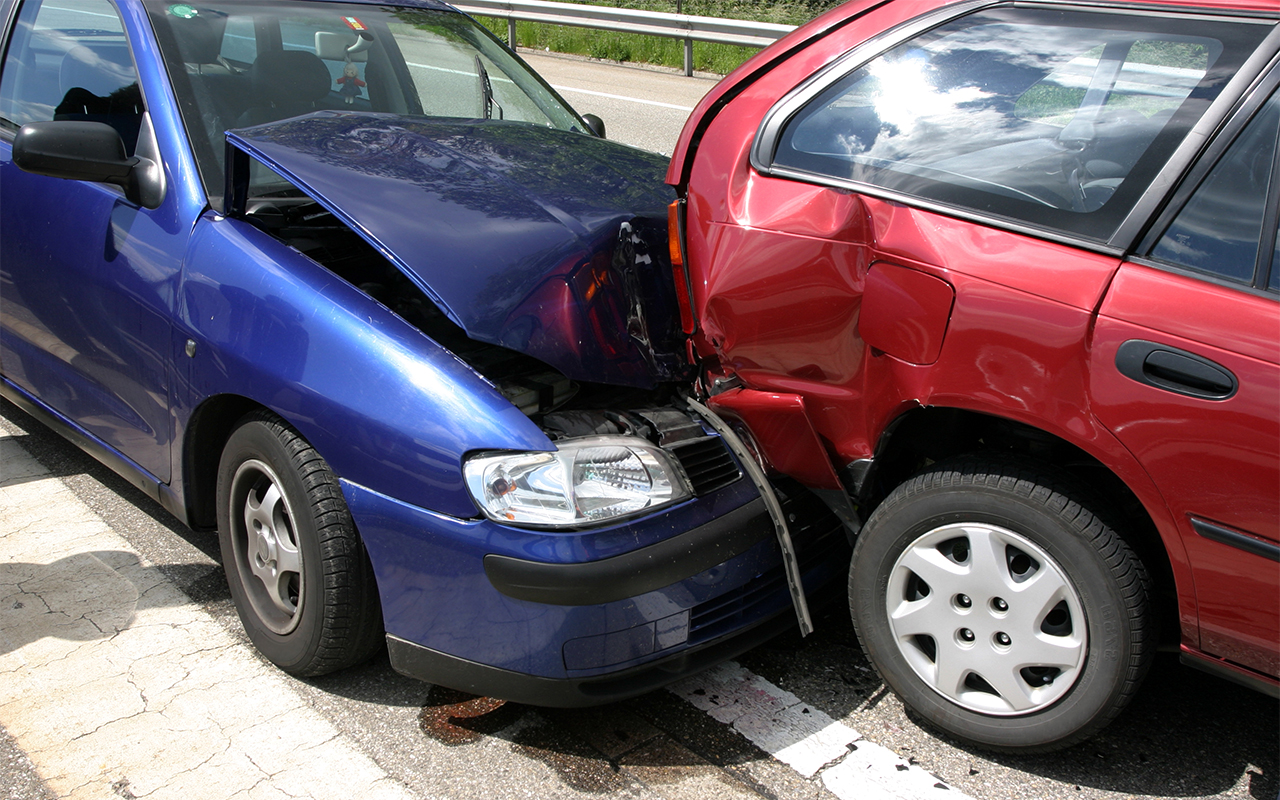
(585, 481)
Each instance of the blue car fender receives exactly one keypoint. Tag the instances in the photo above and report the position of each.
(388, 407)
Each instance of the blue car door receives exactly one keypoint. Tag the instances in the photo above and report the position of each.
(86, 277)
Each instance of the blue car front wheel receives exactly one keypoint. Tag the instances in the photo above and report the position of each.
(296, 566)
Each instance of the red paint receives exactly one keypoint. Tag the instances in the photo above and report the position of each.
(839, 313)
(780, 427)
(905, 313)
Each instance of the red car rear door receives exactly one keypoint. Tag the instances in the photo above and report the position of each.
(1186, 372)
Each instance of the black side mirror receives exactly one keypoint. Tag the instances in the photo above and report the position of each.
(87, 151)
(595, 124)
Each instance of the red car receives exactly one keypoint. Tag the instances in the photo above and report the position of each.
(1000, 281)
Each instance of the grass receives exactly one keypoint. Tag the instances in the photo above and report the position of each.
(707, 56)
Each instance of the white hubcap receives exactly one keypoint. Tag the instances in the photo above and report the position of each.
(987, 619)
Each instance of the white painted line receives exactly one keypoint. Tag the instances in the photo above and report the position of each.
(775, 720)
(570, 89)
(621, 97)
(871, 772)
(808, 740)
(82, 11)
(469, 73)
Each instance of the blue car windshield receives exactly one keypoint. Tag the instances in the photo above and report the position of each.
(238, 64)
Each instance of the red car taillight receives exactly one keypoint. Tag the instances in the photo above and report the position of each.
(684, 289)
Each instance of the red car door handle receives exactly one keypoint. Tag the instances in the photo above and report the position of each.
(1175, 370)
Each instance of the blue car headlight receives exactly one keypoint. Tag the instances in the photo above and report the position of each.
(585, 481)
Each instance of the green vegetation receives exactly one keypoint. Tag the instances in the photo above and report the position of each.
(707, 56)
(1183, 55)
(1054, 104)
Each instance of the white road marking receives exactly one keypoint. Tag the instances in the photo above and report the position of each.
(808, 740)
(621, 97)
(82, 11)
(470, 73)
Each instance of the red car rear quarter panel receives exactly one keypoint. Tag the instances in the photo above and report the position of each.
(1052, 271)
(778, 269)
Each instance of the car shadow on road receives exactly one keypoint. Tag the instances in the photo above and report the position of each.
(1186, 733)
(81, 597)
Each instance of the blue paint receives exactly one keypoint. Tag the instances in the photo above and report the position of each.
(543, 241)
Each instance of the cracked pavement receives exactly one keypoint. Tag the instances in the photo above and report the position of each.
(116, 685)
(126, 674)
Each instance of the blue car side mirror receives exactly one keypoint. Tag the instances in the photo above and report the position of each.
(87, 151)
(595, 124)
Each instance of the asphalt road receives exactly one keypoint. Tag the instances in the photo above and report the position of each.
(640, 106)
(1187, 735)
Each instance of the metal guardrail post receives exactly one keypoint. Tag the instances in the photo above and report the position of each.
(511, 32)
(688, 57)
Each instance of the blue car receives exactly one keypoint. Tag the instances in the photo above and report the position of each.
(352, 285)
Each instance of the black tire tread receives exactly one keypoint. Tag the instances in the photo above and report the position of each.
(351, 625)
(1081, 508)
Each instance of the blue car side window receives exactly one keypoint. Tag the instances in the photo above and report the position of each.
(71, 61)
(1220, 228)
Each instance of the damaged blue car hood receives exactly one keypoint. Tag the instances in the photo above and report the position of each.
(548, 242)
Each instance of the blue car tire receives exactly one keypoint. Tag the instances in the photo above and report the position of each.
(298, 571)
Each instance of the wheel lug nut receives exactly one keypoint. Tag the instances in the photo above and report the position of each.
(999, 604)
(1003, 639)
(963, 600)
(966, 635)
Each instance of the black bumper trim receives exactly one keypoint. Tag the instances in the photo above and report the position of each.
(1258, 682)
(635, 573)
(443, 669)
(1249, 544)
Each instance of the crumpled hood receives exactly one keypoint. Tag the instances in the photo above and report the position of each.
(548, 242)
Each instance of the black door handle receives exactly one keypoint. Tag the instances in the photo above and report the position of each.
(1175, 370)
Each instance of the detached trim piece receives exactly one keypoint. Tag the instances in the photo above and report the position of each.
(635, 573)
(790, 563)
(1249, 544)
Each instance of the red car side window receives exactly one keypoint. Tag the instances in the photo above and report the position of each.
(1220, 229)
(1054, 119)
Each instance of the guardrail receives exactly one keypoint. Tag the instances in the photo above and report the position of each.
(630, 20)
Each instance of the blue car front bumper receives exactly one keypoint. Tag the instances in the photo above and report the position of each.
(578, 618)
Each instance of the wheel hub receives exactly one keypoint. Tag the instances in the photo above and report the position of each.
(266, 546)
(987, 619)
